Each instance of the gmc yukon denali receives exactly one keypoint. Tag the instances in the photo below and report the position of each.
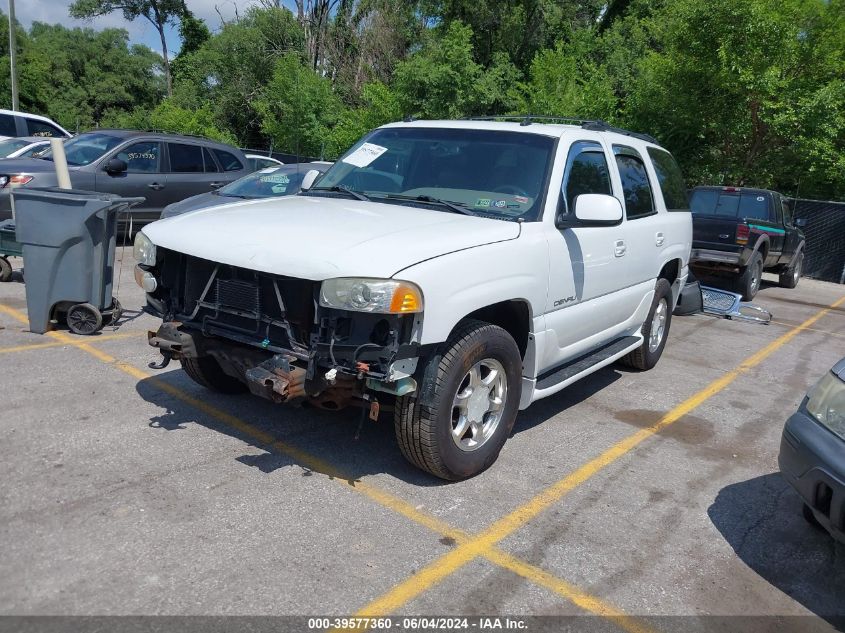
(452, 271)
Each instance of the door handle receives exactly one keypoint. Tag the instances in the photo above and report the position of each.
(217, 184)
(156, 186)
(619, 248)
(659, 238)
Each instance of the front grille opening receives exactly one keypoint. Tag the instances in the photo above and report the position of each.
(824, 497)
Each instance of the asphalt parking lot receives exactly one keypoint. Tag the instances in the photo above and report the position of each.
(629, 496)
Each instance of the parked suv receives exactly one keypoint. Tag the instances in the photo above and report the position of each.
(456, 271)
(739, 232)
(162, 168)
(14, 123)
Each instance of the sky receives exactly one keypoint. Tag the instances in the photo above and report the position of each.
(140, 31)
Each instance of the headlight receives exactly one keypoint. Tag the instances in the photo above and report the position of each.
(384, 296)
(827, 403)
(144, 250)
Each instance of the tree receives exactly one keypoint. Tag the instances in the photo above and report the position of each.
(159, 13)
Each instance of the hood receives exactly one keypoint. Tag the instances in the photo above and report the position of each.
(27, 166)
(320, 238)
(200, 201)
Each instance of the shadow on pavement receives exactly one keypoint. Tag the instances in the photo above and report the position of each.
(761, 520)
(327, 435)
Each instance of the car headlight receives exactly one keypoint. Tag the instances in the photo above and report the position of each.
(144, 250)
(827, 403)
(383, 296)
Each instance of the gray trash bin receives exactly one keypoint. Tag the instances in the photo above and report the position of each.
(68, 240)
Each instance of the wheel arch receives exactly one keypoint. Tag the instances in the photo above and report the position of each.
(513, 315)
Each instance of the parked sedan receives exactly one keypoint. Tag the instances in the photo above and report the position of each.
(22, 147)
(268, 183)
(812, 452)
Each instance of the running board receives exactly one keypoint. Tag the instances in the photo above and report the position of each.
(584, 364)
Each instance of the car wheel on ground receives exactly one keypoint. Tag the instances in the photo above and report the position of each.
(206, 371)
(472, 393)
(789, 278)
(748, 283)
(655, 330)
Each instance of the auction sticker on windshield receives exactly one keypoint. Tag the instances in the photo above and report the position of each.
(365, 155)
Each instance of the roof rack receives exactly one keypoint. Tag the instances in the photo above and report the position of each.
(595, 125)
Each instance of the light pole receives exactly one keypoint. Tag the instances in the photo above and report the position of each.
(12, 55)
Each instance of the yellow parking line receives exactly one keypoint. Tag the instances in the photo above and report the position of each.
(98, 339)
(449, 563)
(539, 576)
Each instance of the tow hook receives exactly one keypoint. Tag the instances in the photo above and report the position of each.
(166, 357)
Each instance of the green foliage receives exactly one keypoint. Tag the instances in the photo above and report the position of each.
(169, 117)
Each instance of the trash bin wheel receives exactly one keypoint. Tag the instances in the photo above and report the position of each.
(5, 269)
(116, 311)
(83, 318)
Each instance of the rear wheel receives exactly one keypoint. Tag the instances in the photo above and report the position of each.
(748, 282)
(655, 330)
(790, 277)
(206, 371)
(472, 396)
(5, 269)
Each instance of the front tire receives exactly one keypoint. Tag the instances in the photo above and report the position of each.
(206, 372)
(789, 279)
(472, 387)
(655, 330)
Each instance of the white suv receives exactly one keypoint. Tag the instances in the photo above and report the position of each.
(455, 271)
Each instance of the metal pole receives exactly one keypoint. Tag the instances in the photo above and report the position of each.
(13, 55)
(60, 162)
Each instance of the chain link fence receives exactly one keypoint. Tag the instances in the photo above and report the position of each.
(824, 252)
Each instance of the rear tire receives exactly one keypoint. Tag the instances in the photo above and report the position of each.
(748, 283)
(206, 372)
(790, 277)
(5, 269)
(655, 330)
(472, 386)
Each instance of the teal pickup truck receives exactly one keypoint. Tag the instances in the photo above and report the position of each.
(739, 232)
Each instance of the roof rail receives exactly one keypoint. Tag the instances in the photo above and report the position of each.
(596, 125)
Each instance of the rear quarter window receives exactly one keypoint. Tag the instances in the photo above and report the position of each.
(7, 125)
(670, 180)
(40, 128)
(228, 161)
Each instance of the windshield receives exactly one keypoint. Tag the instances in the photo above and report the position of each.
(268, 183)
(490, 173)
(12, 145)
(729, 204)
(86, 148)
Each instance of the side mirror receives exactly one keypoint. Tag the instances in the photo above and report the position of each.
(116, 166)
(597, 209)
(800, 222)
(308, 179)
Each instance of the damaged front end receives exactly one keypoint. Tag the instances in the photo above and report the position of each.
(287, 339)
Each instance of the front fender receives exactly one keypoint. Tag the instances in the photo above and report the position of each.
(457, 284)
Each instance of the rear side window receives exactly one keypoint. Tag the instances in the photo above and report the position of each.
(210, 165)
(586, 172)
(7, 125)
(730, 204)
(40, 128)
(636, 187)
(229, 161)
(185, 158)
(670, 180)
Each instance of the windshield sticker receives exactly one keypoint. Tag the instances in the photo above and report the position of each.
(282, 179)
(521, 199)
(268, 170)
(365, 155)
(500, 204)
(483, 202)
(280, 188)
(760, 199)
